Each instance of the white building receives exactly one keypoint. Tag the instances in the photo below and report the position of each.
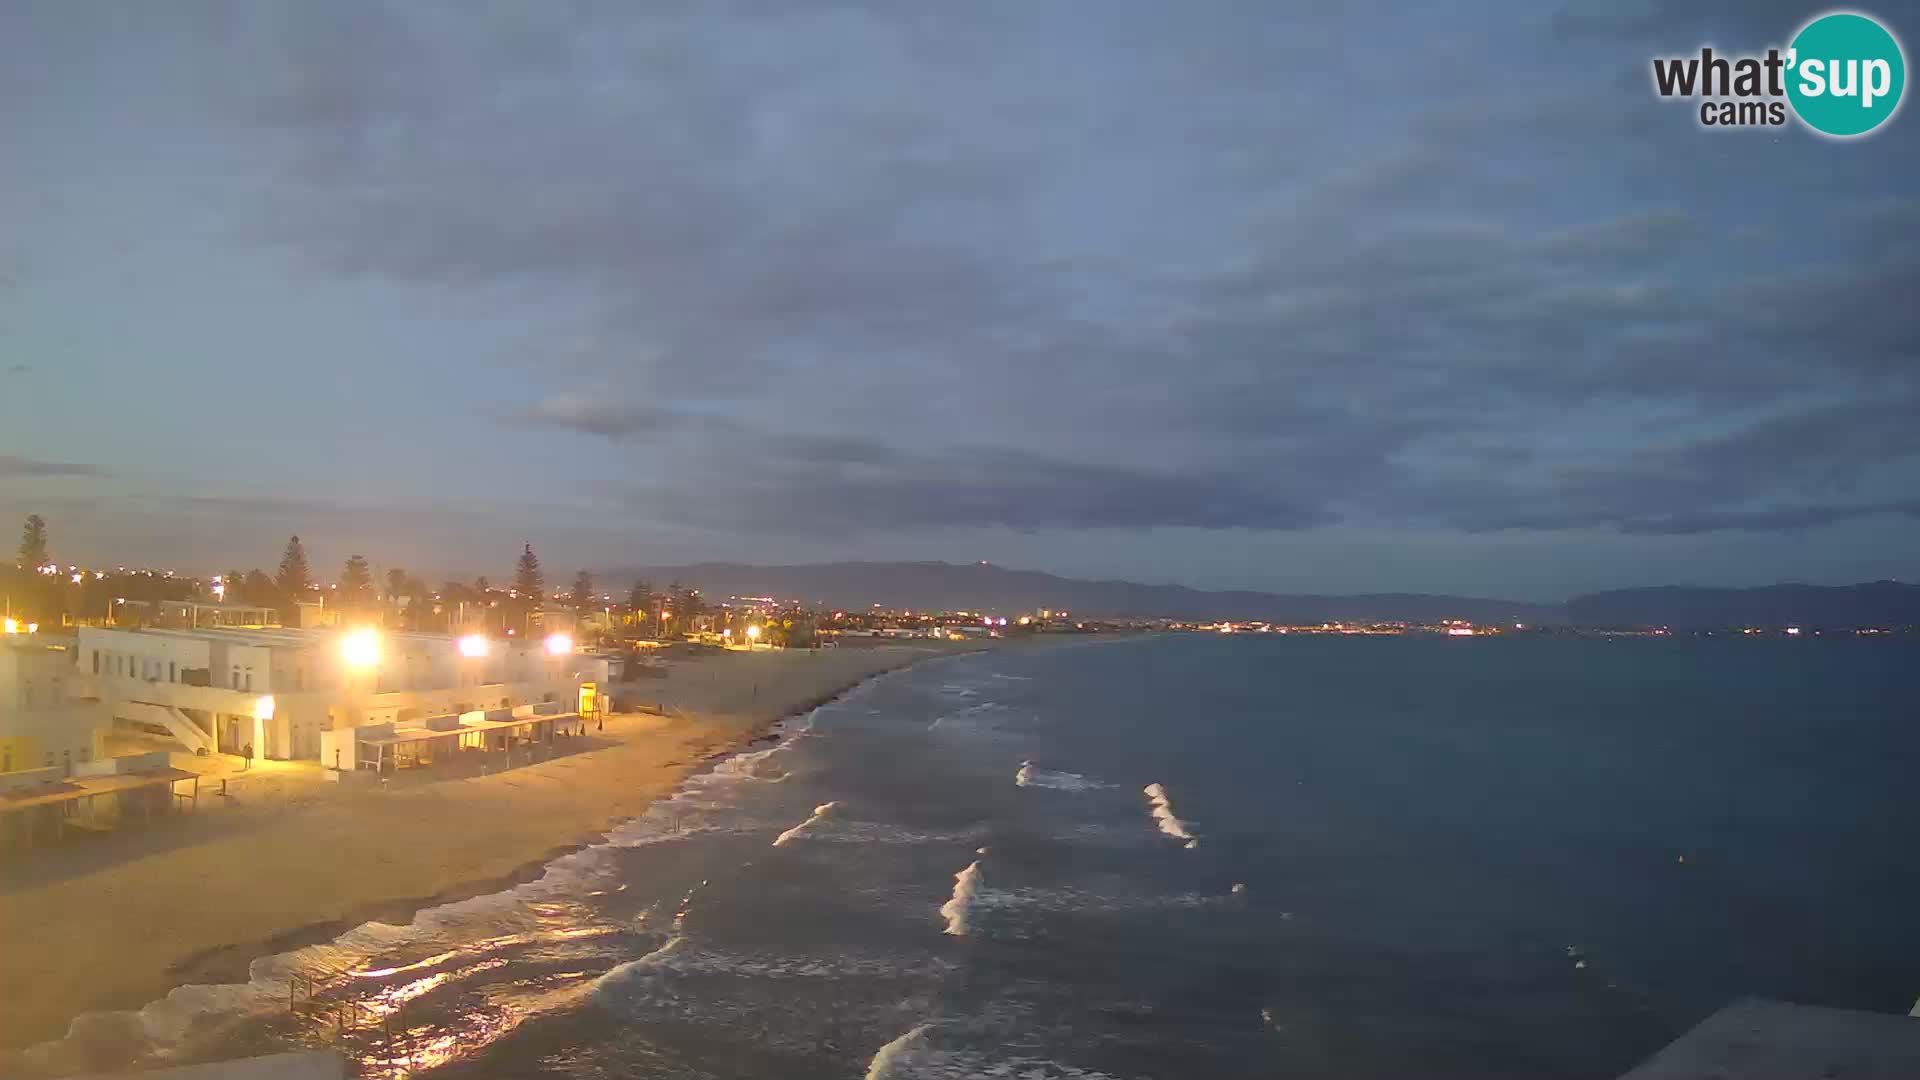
(48, 715)
(221, 689)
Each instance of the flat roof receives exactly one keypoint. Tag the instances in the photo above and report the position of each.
(294, 637)
(81, 787)
(421, 734)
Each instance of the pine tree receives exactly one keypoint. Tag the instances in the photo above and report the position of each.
(293, 578)
(640, 599)
(356, 582)
(582, 595)
(33, 543)
(526, 576)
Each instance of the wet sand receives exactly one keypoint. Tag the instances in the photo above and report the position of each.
(121, 920)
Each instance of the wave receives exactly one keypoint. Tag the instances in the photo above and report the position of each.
(971, 712)
(1169, 822)
(896, 1053)
(1013, 678)
(1031, 775)
(622, 973)
(800, 830)
(966, 887)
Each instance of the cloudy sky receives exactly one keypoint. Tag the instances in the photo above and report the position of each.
(1380, 296)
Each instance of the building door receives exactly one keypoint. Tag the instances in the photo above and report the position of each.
(232, 744)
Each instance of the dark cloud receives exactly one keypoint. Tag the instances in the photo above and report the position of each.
(15, 466)
(1786, 519)
(847, 268)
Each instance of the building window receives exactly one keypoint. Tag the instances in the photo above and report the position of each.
(249, 677)
(96, 661)
(172, 676)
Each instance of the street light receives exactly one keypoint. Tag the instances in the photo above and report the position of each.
(559, 644)
(263, 707)
(474, 646)
(361, 648)
(753, 636)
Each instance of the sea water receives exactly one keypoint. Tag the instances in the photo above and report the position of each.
(1179, 857)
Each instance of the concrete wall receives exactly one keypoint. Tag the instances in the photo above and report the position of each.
(59, 737)
(135, 657)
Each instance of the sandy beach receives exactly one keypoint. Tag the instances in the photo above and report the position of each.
(116, 921)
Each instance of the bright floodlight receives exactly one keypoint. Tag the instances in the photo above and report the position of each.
(473, 645)
(263, 707)
(12, 626)
(753, 632)
(559, 644)
(361, 648)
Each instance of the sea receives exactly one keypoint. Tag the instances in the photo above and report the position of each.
(1179, 857)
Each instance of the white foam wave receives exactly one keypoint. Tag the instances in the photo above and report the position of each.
(622, 973)
(1031, 775)
(896, 1053)
(1013, 678)
(970, 714)
(966, 887)
(800, 830)
(1168, 821)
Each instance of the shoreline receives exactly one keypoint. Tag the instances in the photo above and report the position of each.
(232, 963)
(388, 860)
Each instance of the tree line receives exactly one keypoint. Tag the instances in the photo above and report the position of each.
(400, 597)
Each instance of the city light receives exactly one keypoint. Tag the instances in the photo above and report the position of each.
(753, 633)
(263, 707)
(559, 644)
(361, 648)
(473, 645)
(12, 626)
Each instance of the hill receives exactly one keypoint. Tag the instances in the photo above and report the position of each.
(985, 587)
(1877, 603)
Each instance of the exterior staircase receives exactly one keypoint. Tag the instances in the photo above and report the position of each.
(177, 723)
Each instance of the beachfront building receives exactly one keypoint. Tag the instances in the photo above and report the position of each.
(223, 690)
(49, 717)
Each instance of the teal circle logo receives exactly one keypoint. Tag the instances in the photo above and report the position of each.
(1845, 74)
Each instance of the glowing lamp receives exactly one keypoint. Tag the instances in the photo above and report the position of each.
(473, 645)
(361, 648)
(12, 626)
(263, 707)
(753, 633)
(559, 644)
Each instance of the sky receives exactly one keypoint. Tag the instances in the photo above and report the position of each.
(1334, 298)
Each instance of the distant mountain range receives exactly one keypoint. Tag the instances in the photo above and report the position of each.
(1877, 603)
(939, 586)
